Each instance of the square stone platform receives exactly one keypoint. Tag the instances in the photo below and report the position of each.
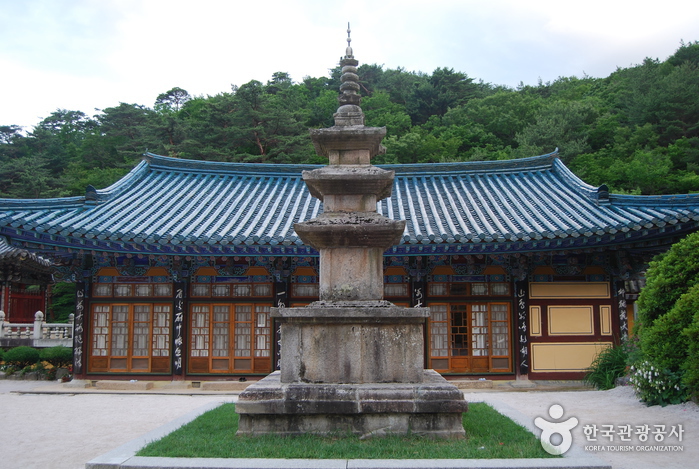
(430, 408)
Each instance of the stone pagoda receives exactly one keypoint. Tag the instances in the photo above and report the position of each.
(351, 362)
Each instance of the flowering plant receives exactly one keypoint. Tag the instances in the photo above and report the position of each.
(655, 386)
(69, 375)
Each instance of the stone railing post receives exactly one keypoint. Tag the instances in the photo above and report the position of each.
(71, 322)
(2, 323)
(38, 325)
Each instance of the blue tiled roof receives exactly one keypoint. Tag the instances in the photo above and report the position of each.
(171, 205)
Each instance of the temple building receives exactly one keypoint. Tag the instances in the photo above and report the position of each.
(527, 270)
(24, 278)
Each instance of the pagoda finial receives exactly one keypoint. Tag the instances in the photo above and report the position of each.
(349, 78)
(348, 53)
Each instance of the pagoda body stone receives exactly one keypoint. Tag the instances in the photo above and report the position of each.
(351, 362)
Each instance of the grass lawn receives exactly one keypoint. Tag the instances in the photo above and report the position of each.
(212, 435)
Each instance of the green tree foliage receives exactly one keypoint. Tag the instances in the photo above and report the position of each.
(687, 53)
(379, 111)
(171, 101)
(270, 127)
(636, 130)
(503, 114)
(419, 146)
(62, 301)
(439, 93)
(127, 128)
(563, 124)
(321, 110)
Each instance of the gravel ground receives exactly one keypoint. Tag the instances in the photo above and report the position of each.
(64, 431)
(615, 407)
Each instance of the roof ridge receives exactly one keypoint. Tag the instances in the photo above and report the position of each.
(160, 162)
(512, 165)
(565, 172)
(656, 200)
(624, 199)
(168, 163)
(136, 174)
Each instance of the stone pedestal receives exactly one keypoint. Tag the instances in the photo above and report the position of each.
(352, 367)
(431, 408)
(343, 343)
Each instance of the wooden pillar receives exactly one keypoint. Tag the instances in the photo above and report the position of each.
(521, 344)
(179, 331)
(622, 309)
(80, 340)
(5, 299)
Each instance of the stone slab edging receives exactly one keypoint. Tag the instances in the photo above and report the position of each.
(124, 457)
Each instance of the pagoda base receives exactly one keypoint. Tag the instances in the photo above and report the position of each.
(432, 408)
(351, 342)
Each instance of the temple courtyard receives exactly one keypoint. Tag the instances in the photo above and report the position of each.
(45, 424)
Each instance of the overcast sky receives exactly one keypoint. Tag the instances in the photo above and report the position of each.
(87, 54)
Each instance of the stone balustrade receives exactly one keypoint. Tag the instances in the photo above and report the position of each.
(38, 334)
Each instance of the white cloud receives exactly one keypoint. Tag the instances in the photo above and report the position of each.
(86, 54)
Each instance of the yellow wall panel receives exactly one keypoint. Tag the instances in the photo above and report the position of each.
(535, 320)
(605, 320)
(570, 320)
(570, 290)
(108, 271)
(561, 357)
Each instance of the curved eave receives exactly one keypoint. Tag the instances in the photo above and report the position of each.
(23, 259)
(654, 238)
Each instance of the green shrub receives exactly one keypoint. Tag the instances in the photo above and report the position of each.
(657, 386)
(607, 366)
(2, 353)
(22, 356)
(663, 341)
(669, 276)
(691, 365)
(667, 334)
(58, 356)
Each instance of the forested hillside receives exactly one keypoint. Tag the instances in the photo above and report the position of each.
(636, 130)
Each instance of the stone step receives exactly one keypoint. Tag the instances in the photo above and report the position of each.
(113, 385)
(224, 385)
(472, 383)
